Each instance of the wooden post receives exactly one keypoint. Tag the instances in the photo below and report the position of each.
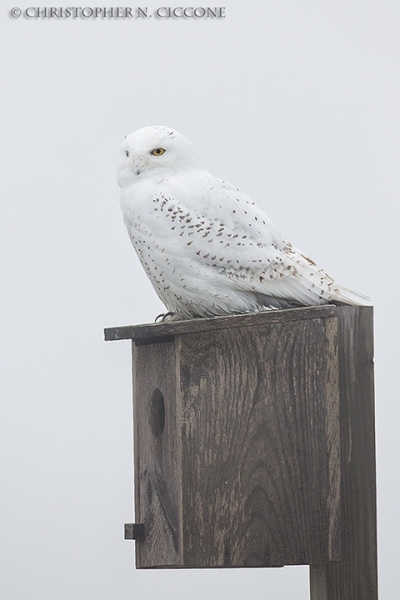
(240, 448)
(355, 576)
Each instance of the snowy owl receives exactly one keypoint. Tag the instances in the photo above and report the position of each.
(206, 247)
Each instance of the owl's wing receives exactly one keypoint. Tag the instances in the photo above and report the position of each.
(216, 230)
(221, 229)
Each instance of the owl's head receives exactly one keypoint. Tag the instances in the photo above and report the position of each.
(155, 151)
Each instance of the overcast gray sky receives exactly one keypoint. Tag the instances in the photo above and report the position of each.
(297, 103)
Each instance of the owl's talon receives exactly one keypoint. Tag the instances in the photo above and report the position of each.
(168, 316)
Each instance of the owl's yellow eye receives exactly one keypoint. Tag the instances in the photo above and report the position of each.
(157, 151)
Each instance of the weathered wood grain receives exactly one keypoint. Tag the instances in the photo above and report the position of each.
(255, 446)
(355, 576)
(332, 432)
(318, 580)
(249, 450)
(157, 455)
(140, 332)
(263, 452)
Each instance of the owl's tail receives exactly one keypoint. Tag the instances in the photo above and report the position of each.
(302, 283)
(316, 281)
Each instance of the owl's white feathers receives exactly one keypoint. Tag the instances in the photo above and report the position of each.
(206, 247)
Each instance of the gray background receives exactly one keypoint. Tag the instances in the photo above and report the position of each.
(296, 102)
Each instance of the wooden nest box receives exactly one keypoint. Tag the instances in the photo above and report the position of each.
(254, 445)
